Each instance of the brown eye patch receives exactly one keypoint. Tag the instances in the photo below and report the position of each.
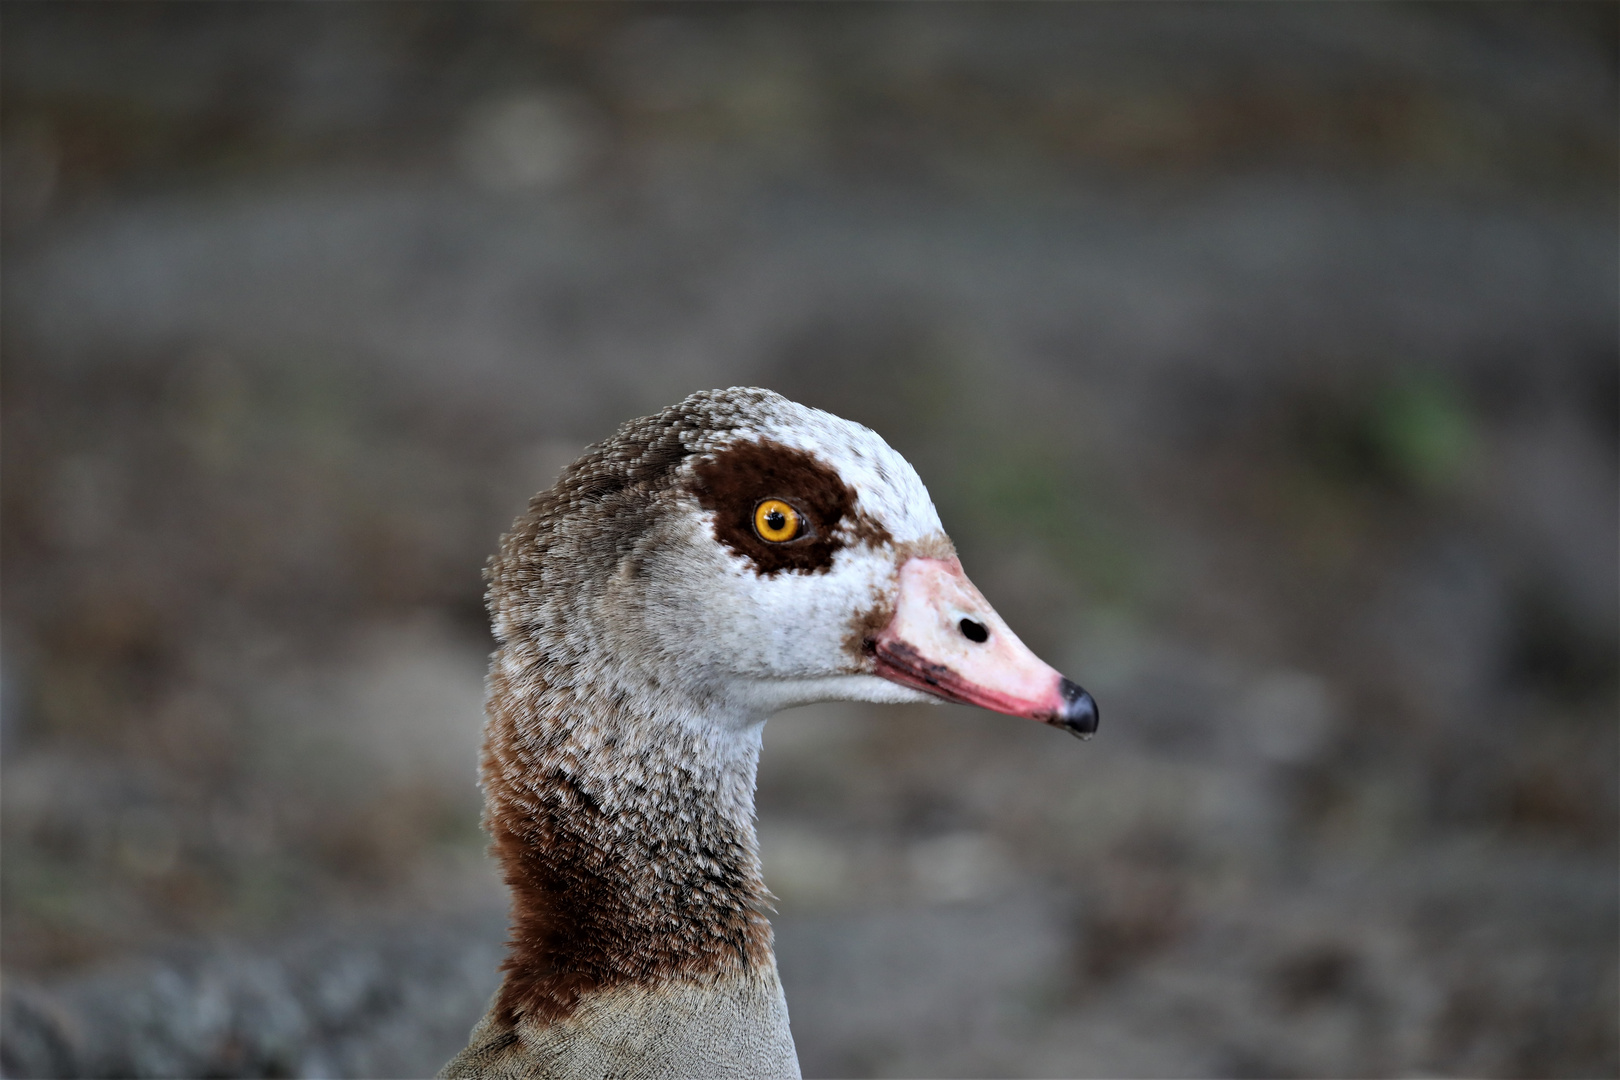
(736, 478)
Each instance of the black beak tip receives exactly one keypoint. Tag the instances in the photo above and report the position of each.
(1080, 714)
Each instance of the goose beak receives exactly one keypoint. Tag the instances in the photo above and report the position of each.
(945, 639)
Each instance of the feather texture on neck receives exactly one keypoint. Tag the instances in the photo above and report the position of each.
(628, 844)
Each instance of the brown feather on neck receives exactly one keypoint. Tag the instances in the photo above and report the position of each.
(614, 881)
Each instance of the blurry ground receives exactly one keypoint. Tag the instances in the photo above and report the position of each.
(1261, 359)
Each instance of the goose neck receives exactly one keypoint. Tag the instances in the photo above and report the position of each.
(624, 825)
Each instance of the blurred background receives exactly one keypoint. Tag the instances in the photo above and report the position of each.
(1261, 360)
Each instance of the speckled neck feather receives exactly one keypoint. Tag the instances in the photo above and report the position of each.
(624, 864)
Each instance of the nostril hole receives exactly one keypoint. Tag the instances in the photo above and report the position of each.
(974, 631)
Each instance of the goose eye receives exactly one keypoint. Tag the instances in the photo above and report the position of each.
(776, 521)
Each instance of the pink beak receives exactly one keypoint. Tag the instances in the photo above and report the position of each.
(945, 639)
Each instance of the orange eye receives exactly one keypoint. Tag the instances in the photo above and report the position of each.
(776, 521)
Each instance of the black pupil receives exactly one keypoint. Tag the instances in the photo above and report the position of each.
(974, 631)
(775, 520)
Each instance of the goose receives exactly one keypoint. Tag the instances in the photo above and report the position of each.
(731, 556)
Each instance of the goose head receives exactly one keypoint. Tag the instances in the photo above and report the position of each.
(740, 553)
(735, 554)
